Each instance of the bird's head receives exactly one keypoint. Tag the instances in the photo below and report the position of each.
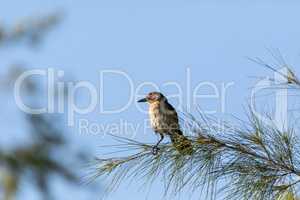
(153, 97)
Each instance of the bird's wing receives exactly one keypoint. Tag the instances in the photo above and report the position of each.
(172, 116)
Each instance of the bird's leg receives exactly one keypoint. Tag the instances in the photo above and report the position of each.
(155, 148)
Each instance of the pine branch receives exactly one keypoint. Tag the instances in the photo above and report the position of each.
(253, 160)
(258, 160)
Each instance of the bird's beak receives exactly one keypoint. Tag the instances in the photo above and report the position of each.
(142, 100)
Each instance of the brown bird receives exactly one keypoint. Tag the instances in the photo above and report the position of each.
(164, 121)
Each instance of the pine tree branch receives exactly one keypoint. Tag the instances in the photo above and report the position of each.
(243, 156)
(254, 160)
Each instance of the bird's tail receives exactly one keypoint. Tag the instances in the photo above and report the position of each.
(181, 143)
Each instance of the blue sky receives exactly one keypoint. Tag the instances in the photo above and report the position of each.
(156, 41)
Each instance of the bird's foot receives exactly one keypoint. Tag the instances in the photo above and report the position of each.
(155, 150)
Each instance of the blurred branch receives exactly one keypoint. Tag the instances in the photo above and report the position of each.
(31, 29)
(38, 160)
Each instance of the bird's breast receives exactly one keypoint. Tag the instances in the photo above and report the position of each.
(157, 119)
(154, 115)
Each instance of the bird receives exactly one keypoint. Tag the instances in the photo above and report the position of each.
(164, 121)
